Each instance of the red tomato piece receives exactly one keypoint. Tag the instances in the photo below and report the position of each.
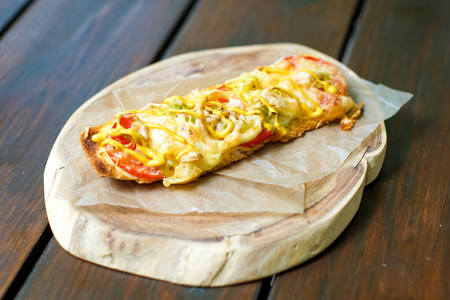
(125, 141)
(222, 100)
(134, 167)
(126, 121)
(290, 60)
(261, 137)
(311, 58)
(141, 171)
(222, 88)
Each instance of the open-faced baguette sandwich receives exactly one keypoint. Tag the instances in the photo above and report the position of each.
(184, 137)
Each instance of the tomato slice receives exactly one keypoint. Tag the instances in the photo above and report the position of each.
(320, 61)
(223, 100)
(311, 58)
(141, 171)
(134, 167)
(262, 136)
(290, 60)
(222, 88)
(125, 141)
(125, 121)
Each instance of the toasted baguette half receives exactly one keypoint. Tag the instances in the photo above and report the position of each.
(203, 131)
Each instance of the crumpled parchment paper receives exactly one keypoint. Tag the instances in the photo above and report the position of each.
(271, 179)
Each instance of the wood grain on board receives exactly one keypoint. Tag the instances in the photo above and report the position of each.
(56, 263)
(52, 59)
(397, 246)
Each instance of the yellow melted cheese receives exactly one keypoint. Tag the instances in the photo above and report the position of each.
(193, 136)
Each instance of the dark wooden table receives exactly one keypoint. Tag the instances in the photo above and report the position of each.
(54, 55)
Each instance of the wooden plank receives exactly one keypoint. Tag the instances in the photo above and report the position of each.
(58, 55)
(398, 244)
(89, 281)
(9, 9)
(321, 25)
(57, 264)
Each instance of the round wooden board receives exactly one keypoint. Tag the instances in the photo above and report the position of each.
(210, 249)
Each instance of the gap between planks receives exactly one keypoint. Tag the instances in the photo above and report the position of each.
(14, 18)
(29, 263)
(168, 43)
(352, 32)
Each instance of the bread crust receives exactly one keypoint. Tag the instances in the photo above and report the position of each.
(90, 149)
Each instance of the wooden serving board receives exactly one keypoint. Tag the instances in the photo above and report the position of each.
(210, 249)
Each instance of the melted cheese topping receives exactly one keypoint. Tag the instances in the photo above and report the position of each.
(185, 136)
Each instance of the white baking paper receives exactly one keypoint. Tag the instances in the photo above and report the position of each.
(271, 179)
